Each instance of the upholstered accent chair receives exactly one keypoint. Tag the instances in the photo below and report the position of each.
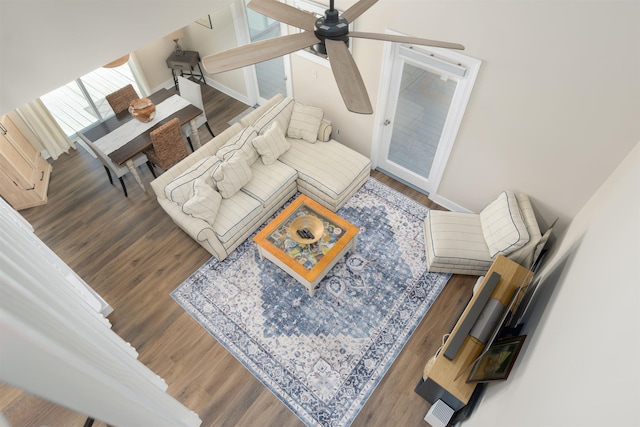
(467, 243)
(110, 166)
(121, 98)
(168, 145)
(192, 92)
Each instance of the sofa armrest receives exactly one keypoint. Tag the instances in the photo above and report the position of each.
(199, 230)
(324, 131)
(524, 255)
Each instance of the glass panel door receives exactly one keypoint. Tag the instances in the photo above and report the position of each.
(270, 74)
(423, 105)
(422, 108)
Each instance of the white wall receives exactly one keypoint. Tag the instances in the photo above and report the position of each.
(579, 366)
(218, 39)
(554, 109)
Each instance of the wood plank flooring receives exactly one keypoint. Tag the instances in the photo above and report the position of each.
(133, 255)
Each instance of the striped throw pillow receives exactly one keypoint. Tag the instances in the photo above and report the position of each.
(305, 122)
(503, 225)
(182, 187)
(272, 144)
(231, 176)
(240, 145)
(205, 202)
(281, 113)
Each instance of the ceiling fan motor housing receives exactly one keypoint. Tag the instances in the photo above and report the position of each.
(331, 26)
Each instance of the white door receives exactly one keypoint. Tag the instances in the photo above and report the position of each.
(420, 112)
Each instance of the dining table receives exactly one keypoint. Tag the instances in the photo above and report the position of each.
(122, 136)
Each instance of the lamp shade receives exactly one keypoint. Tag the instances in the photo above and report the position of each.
(118, 62)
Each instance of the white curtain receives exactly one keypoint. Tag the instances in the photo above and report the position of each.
(56, 344)
(40, 128)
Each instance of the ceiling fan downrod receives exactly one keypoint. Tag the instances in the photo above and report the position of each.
(331, 26)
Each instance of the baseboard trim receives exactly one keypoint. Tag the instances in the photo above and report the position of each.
(445, 203)
(227, 91)
(222, 88)
(448, 203)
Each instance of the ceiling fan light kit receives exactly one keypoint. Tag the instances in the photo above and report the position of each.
(330, 26)
(328, 35)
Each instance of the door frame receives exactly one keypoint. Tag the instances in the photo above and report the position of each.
(454, 118)
(243, 35)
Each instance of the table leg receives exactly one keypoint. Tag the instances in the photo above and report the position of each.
(134, 172)
(175, 78)
(194, 135)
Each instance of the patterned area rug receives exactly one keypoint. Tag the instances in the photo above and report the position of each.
(323, 356)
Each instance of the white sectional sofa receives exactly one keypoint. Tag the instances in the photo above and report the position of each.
(224, 191)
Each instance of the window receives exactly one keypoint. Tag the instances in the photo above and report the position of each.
(81, 103)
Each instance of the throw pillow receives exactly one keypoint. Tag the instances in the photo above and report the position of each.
(240, 145)
(231, 176)
(281, 112)
(182, 187)
(305, 122)
(272, 144)
(503, 226)
(205, 202)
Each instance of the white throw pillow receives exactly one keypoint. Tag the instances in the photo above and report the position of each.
(305, 122)
(232, 175)
(281, 113)
(503, 225)
(181, 188)
(205, 202)
(241, 144)
(272, 144)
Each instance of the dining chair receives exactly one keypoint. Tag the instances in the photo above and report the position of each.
(168, 145)
(111, 166)
(121, 98)
(192, 92)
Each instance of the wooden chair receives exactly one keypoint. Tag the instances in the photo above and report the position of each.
(168, 145)
(121, 98)
(192, 92)
(111, 166)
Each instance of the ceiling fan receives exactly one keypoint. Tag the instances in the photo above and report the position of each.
(328, 34)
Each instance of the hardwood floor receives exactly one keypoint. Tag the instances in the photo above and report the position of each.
(133, 255)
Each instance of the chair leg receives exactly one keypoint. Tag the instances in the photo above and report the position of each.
(151, 169)
(210, 131)
(108, 174)
(124, 187)
(190, 144)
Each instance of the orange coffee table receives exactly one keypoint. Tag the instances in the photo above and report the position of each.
(308, 264)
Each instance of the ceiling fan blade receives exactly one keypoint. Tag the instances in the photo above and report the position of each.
(358, 9)
(257, 52)
(407, 40)
(348, 78)
(284, 13)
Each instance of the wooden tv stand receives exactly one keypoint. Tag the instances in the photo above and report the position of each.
(446, 379)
